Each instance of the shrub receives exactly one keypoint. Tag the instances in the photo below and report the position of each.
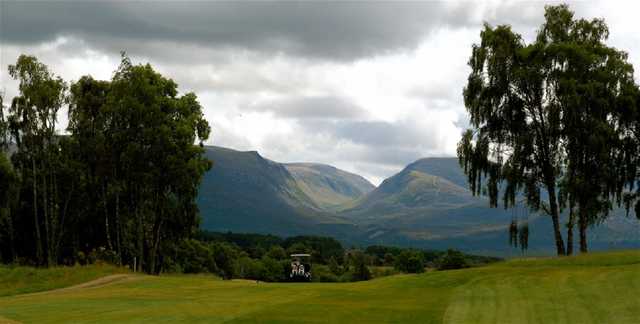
(334, 267)
(277, 252)
(273, 270)
(453, 259)
(360, 270)
(410, 261)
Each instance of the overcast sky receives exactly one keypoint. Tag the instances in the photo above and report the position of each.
(365, 86)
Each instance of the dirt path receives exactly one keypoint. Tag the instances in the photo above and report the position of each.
(111, 279)
(101, 281)
(4, 320)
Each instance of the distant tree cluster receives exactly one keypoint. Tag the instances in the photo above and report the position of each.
(122, 179)
(267, 258)
(554, 124)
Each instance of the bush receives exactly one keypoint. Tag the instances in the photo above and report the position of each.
(190, 256)
(334, 267)
(382, 271)
(360, 270)
(453, 259)
(410, 261)
(322, 273)
(277, 252)
(248, 268)
(273, 270)
(225, 256)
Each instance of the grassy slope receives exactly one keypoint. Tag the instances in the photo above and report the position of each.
(598, 288)
(21, 280)
(328, 186)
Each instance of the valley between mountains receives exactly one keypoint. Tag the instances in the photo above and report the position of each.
(425, 205)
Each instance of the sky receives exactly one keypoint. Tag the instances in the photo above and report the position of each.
(368, 87)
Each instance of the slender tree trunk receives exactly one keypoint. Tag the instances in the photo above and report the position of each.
(62, 220)
(553, 205)
(570, 231)
(106, 217)
(35, 211)
(12, 244)
(140, 238)
(154, 249)
(583, 230)
(45, 209)
(55, 216)
(118, 228)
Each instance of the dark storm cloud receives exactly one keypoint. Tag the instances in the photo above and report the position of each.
(336, 31)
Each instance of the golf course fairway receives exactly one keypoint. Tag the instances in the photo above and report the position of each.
(594, 288)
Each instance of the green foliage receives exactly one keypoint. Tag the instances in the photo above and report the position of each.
(360, 270)
(191, 256)
(277, 252)
(125, 178)
(274, 270)
(410, 262)
(556, 108)
(334, 267)
(322, 248)
(224, 256)
(453, 259)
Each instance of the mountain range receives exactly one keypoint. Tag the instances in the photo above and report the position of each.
(425, 205)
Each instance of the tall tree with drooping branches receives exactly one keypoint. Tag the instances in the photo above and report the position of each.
(548, 111)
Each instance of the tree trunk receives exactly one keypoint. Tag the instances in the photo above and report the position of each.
(45, 210)
(583, 230)
(570, 231)
(12, 243)
(60, 233)
(140, 239)
(106, 217)
(553, 205)
(118, 229)
(35, 212)
(154, 248)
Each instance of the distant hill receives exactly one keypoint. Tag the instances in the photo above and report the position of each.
(426, 205)
(244, 192)
(327, 186)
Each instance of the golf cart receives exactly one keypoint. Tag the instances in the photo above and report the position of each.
(300, 267)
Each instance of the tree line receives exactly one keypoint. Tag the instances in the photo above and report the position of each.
(123, 177)
(554, 124)
(267, 258)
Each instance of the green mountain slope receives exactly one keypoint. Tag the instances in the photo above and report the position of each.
(327, 186)
(428, 205)
(425, 205)
(245, 192)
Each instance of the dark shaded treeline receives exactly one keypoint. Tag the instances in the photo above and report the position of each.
(267, 257)
(123, 179)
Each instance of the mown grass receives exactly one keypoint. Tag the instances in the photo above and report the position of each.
(21, 280)
(598, 288)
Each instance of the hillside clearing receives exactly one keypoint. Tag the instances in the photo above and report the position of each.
(597, 288)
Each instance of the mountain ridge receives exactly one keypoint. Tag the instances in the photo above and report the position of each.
(427, 204)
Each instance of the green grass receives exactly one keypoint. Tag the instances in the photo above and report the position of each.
(597, 288)
(21, 280)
